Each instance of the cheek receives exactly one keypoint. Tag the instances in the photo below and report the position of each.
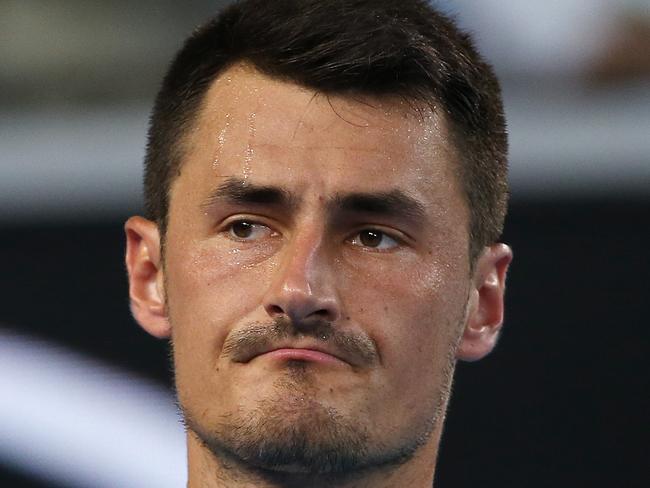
(412, 313)
(412, 310)
(209, 291)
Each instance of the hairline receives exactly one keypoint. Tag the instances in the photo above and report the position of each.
(192, 114)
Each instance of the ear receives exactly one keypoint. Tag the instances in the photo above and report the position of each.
(485, 307)
(146, 279)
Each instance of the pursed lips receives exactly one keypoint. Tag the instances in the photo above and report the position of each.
(299, 351)
(301, 354)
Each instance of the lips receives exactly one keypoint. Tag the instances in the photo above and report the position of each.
(310, 352)
(310, 342)
(301, 354)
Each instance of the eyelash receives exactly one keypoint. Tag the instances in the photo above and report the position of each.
(228, 229)
(384, 235)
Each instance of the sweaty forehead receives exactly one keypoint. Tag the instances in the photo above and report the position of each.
(273, 134)
(270, 132)
(244, 103)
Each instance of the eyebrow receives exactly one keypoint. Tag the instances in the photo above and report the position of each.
(240, 191)
(394, 203)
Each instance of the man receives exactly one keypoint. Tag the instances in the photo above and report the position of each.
(326, 185)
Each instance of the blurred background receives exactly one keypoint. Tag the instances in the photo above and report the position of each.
(85, 398)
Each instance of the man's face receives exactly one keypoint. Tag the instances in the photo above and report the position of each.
(302, 223)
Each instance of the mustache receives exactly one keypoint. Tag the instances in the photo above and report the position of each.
(240, 345)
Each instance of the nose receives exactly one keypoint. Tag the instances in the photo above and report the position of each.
(303, 289)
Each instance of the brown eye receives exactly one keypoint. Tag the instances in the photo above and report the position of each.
(374, 239)
(242, 229)
(371, 238)
(245, 230)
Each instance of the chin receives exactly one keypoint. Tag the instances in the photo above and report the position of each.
(294, 433)
(286, 433)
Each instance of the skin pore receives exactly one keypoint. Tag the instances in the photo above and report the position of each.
(315, 285)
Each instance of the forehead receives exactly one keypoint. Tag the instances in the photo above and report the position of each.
(272, 132)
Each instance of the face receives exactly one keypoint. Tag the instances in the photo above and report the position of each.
(315, 281)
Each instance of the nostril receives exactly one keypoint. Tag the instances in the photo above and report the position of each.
(275, 310)
(322, 313)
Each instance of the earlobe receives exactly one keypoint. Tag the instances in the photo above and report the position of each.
(486, 303)
(146, 281)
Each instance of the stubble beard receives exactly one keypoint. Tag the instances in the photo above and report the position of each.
(293, 432)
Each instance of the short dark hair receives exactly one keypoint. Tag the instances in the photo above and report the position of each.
(345, 47)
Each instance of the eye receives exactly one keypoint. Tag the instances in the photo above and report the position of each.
(245, 230)
(374, 239)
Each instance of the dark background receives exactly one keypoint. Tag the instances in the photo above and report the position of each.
(563, 399)
(561, 402)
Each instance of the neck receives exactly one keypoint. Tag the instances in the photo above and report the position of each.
(209, 471)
